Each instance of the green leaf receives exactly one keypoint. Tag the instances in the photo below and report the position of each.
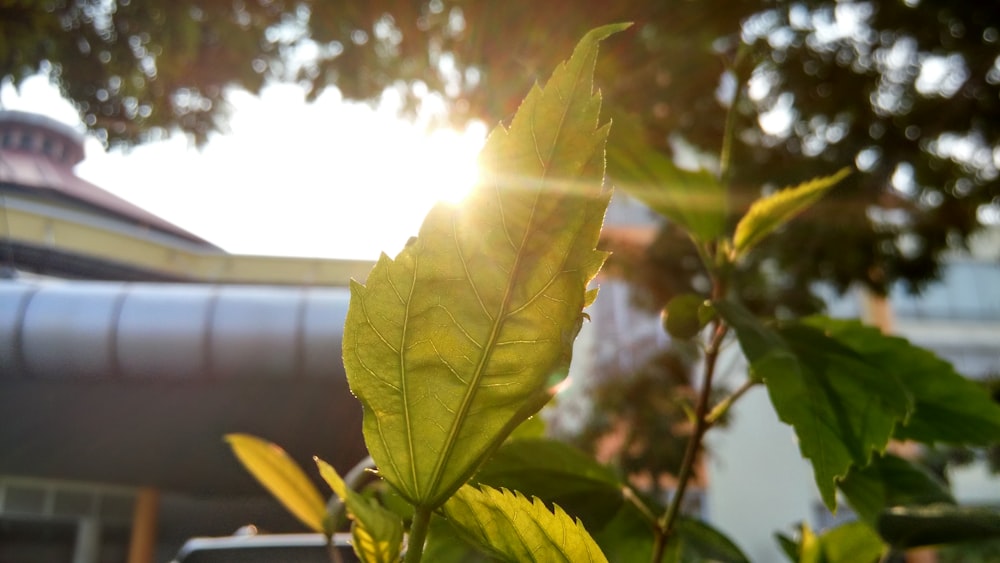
(763, 347)
(515, 529)
(694, 200)
(531, 429)
(788, 546)
(377, 533)
(854, 542)
(842, 407)
(629, 537)
(915, 526)
(445, 545)
(947, 407)
(461, 337)
(556, 473)
(768, 213)
(282, 477)
(702, 542)
(891, 481)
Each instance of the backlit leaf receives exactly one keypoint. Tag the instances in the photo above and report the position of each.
(515, 529)
(377, 533)
(947, 406)
(461, 337)
(854, 542)
(770, 212)
(280, 475)
(695, 200)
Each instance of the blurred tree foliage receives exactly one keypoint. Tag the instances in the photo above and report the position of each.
(908, 91)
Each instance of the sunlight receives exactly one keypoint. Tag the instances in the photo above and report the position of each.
(325, 179)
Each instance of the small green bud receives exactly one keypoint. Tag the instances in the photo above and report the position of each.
(685, 315)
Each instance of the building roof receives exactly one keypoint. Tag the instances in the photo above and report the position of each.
(37, 156)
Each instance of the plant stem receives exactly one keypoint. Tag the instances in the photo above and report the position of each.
(723, 407)
(631, 497)
(418, 535)
(666, 523)
(332, 551)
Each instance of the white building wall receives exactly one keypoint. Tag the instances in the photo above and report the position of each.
(758, 483)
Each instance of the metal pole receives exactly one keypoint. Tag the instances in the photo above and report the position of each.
(142, 544)
(87, 547)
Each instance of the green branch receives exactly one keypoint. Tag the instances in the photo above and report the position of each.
(665, 525)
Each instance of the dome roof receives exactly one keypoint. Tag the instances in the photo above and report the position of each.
(38, 134)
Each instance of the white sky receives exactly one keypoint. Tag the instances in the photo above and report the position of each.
(327, 179)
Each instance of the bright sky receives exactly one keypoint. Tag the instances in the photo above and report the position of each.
(323, 179)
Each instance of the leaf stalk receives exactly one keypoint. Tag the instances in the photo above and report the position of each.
(724, 405)
(418, 535)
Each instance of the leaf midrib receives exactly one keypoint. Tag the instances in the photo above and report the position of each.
(501, 317)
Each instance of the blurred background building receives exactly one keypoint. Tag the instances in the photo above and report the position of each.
(128, 348)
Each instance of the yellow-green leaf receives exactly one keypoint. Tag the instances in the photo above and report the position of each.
(768, 213)
(515, 529)
(377, 533)
(282, 477)
(852, 542)
(461, 337)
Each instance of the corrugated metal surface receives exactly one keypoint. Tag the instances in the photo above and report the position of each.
(136, 383)
(108, 330)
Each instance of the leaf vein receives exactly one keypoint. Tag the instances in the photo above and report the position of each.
(468, 274)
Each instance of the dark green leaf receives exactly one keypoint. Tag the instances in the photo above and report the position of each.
(702, 542)
(947, 407)
(762, 345)
(842, 408)
(556, 473)
(462, 336)
(627, 537)
(445, 545)
(517, 530)
(891, 481)
(915, 526)
(789, 546)
(694, 200)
